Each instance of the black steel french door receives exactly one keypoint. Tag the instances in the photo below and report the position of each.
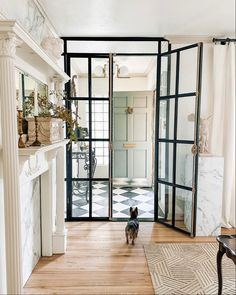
(177, 136)
(88, 157)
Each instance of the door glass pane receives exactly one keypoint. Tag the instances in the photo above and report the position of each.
(166, 123)
(183, 209)
(80, 198)
(80, 159)
(165, 75)
(80, 113)
(101, 160)
(100, 195)
(186, 118)
(100, 77)
(188, 70)
(100, 119)
(184, 165)
(165, 203)
(79, 77)
(165, 166)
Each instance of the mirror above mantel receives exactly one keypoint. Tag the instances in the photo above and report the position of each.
(25, 89)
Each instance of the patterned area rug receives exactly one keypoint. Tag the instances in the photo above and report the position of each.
(188, 269)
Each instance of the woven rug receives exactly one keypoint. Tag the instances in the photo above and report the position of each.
(188, 269)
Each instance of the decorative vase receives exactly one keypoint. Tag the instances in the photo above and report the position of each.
(50, 130)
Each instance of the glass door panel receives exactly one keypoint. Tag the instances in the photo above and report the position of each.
(88, 159)
(186, 118)
(80, 159)
(80, 199)
(183, 209)
(168, 78)
(166, 124)
(79, 77)
(100, 77)
(165, 198)
(166, 161)
(188, 70)
(184, 165)
(100, 119)
(100, 199)
(177, 136)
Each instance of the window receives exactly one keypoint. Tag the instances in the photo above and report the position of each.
(100, 129)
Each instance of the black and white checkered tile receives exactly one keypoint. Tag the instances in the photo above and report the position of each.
(123, 199)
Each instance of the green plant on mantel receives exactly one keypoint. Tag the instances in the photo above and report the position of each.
(50, 109)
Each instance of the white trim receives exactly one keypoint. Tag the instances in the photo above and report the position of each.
(31, 47)
(47, 19)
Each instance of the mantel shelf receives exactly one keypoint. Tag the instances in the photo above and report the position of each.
(34, 150)
(31, 52)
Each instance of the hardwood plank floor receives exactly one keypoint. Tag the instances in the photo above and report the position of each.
(98, 261)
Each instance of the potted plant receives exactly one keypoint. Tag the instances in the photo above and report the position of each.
(51, 118)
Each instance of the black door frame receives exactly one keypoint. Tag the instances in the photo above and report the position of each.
(67, 59)
(176, 141)
(90, 139)
(159, 41)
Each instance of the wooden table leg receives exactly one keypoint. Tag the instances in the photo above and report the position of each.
(220, 254)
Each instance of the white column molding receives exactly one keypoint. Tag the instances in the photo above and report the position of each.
(8, 43)
(60, 235)
(46, 210)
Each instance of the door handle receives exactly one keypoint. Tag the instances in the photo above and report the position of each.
(195, 150)
(129, 145)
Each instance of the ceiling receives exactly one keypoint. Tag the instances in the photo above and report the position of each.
(141, 17)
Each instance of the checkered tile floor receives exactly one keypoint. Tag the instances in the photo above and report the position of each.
(123, 199)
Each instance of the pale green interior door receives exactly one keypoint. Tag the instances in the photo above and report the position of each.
(132, 138)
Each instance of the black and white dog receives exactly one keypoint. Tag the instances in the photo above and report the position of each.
(132, 227)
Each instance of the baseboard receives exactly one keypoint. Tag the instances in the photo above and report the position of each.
(59, 242)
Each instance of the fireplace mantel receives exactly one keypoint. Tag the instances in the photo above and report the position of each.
(35, 150)
(34, 161)
(47, 162)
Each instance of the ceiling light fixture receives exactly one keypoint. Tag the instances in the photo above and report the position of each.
(118, 71)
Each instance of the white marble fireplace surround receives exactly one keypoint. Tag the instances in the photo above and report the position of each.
(42, 203)
(30, 225)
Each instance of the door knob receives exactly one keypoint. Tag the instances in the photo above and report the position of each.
(129, 110)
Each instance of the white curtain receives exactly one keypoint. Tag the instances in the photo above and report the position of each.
(223, 124)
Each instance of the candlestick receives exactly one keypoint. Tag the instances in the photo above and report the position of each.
(36, 110)
(20, 97)
(36, 142)
(20, 130)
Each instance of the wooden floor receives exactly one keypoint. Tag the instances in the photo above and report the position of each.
(98, 261)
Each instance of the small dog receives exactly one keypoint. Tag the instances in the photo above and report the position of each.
(132, 227)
